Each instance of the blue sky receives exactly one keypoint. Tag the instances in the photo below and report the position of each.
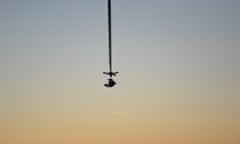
(144, 32)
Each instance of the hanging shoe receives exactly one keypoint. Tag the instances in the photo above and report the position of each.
(110, 83)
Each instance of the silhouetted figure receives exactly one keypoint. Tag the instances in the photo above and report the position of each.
(110, 83)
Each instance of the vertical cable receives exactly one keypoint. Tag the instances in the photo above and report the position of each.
(110, 35)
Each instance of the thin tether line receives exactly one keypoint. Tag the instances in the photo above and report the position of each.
(110, 35)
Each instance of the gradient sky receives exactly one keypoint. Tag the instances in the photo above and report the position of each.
(179, 64)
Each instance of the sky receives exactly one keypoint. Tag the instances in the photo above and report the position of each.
(179, 80)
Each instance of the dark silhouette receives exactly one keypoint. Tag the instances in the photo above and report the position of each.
(111, 82)
(110, 73)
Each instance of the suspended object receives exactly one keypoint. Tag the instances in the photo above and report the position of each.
(110, 82)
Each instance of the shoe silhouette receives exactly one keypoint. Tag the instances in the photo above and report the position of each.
(110, 83)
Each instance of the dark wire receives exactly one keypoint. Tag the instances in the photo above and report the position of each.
(110, 35)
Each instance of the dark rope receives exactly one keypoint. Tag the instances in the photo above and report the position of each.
(110, 35)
